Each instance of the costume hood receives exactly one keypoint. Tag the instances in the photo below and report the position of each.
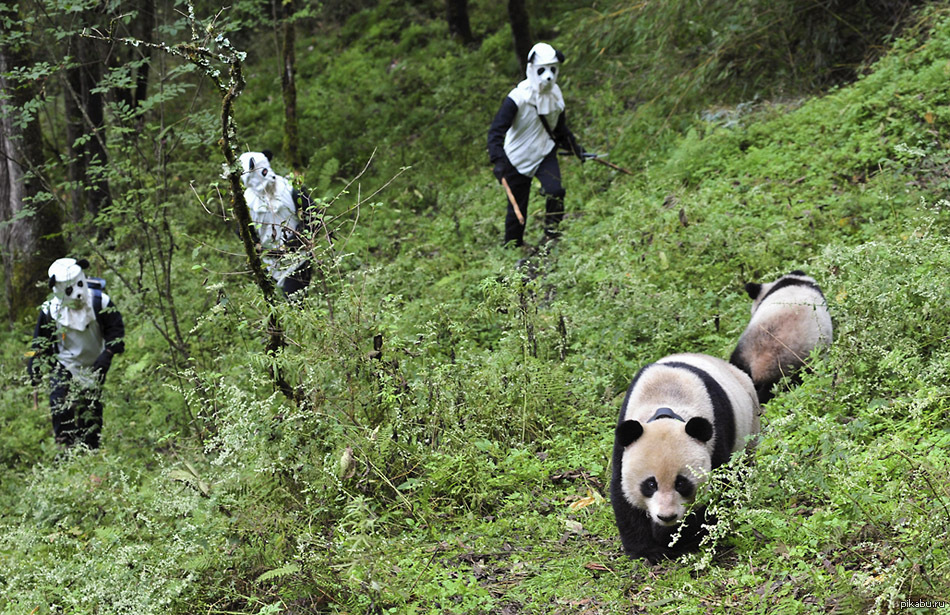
(257, 174)
(544, 63)
(71, 305)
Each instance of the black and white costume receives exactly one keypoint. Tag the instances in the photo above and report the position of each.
(276, 208)
(524, 137)
(78, 332)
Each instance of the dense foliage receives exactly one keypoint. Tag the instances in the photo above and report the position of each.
(450, 450)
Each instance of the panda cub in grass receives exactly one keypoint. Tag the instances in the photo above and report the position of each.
(789, 319)
(682, 417)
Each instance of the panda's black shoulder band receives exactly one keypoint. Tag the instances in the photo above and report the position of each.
(787, 282)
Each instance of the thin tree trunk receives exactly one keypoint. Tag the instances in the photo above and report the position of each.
(520, 30)
(288, 84)
(85, 130)
(146, 27)
(457, 17)
(141, 28)
(28, 243)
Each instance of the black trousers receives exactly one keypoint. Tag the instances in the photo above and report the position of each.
(549, 174)
(298, 280)
(76, 410)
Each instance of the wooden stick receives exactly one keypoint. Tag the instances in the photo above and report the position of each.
(611, 165)
(589, 156)
(511, 199)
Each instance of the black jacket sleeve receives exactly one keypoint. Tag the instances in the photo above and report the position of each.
(113, 329)
(565, 138)
(499, 128)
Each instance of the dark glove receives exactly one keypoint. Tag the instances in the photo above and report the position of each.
(102, 364)
(579, 152)
(502, 168)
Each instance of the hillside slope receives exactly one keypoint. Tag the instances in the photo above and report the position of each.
(459, 463)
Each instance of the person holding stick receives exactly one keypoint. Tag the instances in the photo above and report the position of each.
(523, 141)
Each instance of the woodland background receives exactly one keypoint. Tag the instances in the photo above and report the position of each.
(428, 430)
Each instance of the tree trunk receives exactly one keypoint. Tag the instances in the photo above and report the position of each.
(146, 30)
(288, 84)
(141, 28)
(457, 17)
(520, 30)
(85, 129)
(31, 237)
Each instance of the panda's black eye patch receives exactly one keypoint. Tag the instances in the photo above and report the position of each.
(554, 70)
(79, 283)
(540, 71)
(649, 487)
(684, 486)
(68, 290)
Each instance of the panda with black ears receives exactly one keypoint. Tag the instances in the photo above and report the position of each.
(790, 318)
(682, 417)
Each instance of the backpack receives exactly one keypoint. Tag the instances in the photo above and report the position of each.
(96, 285)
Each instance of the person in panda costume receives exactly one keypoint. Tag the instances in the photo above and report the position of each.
(276, 209)
(523, 141)
(78, 332)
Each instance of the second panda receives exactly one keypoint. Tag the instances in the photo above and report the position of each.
(682, 416)
(789, 319)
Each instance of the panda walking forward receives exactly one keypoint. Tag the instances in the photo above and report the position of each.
(682, 417)
(524, 138)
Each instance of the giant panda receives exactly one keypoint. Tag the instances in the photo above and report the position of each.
(682, 416)
(789, 319)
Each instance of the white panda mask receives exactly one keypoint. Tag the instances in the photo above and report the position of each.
(544, 65)
(68, 282)
(257, 173)
(71, 305)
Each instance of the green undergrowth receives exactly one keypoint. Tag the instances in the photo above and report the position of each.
(453, 451)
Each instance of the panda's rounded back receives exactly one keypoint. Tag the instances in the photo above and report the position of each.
(792, 318)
